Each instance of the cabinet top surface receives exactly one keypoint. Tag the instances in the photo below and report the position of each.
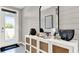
(60, 41)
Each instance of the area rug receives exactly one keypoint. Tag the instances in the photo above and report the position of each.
(9, 47)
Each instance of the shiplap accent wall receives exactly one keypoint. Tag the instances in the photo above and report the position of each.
(46, 12)
(69, 18)
(30, 19)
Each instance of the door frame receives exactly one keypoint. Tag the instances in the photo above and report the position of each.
(17, 22)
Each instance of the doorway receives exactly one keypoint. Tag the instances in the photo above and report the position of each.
(8, 26)
(9, 23)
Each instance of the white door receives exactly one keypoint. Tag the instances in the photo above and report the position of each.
(8, 27)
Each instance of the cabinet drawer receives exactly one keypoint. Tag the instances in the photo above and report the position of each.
(28, 40)
(34, 42)
(44, 46)
(33, 50)
(57, 49)
(28, 47)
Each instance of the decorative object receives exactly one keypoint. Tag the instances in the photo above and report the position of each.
(33, 31)
(66, 34)
(53, 31)
(49, 21)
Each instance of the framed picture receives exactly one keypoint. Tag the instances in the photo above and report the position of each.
(49, 21)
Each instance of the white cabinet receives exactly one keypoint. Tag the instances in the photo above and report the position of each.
(34, 44)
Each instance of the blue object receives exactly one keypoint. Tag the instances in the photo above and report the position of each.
(66, 34)
(9, 47)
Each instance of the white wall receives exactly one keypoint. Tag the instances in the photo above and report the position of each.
(69, 18)
(30, 19)
(49, 11)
